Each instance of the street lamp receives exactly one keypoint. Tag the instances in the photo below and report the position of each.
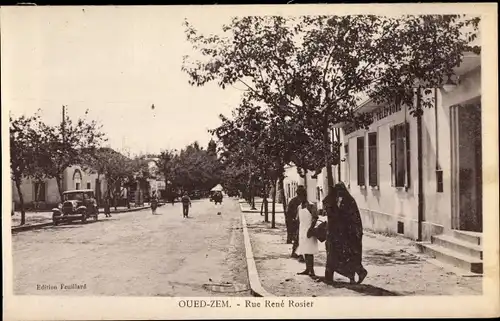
(450, 84)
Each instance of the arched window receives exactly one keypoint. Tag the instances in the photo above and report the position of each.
(77, 179)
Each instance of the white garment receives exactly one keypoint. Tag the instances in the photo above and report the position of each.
(307, 245)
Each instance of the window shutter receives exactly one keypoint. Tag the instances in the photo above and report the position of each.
(372, 159)
(408, 154)
(361, 161)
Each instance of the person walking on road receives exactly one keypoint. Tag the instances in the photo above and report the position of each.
(154, 203)
(107, 207)
(344, 236)
(172, 198)
(308, 243)
(186, 204)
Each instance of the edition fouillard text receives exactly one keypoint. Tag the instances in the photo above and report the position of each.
(61, 286)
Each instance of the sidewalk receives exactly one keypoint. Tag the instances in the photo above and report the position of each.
(246, 208)
(39, 218)
(395, 267)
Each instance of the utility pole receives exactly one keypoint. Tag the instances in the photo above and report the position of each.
(328, 164)
(63, 131)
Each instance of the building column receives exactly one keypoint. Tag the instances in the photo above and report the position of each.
(455, 168)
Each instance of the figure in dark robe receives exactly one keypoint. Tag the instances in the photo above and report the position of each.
(344, 237)
(292, 220)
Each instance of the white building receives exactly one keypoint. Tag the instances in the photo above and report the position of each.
(44, 194)
(380, 166)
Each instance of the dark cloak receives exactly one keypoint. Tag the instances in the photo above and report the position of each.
(345, 233)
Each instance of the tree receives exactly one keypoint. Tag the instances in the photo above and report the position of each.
(212, 147)
(119, 170)
(192, 169)
(313, 68)
(165, 164)
(68, 144)
(24, 153)
(245, 140)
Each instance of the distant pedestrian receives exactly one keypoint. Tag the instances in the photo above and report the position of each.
(186, 204)
(344, 236)
(154, 203)
(308, 244)
(107, 207)
(218, 201)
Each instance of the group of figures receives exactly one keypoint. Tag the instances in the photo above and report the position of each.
(342, 233)
(186, 203)
(185, 200)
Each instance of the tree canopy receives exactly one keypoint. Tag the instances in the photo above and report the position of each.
(311, 72)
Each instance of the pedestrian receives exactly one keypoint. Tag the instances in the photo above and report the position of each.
(291, 220)
(344, 236)
(308, 244)
(154, 203)
(172, 198)
(107, 207)
(186, 204)
(218, 201)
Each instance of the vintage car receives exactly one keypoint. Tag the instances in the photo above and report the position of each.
(77, 205)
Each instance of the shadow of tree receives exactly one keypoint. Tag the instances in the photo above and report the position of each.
(389, 257)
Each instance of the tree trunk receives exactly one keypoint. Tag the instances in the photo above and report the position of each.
(114, 197)
(337, 134)
(128, 197)
(21, 201)
(262, 208)
(273, 217)
(59, 187)
(328, 164)
(98, 190)
(252, 199)
(305, 180)
(282, 192)
(266, 206)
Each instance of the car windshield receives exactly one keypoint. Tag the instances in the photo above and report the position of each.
(73, 197)
(78, 196)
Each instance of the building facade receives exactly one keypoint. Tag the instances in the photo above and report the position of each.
(44, 194)
(381, 165)
(315, 186)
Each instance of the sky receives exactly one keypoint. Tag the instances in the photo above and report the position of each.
(116, 62)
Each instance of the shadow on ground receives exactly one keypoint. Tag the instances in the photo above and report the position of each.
(390, 257)
(365, 289)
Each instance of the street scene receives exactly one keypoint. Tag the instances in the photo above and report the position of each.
(137, 254)
(255, 156)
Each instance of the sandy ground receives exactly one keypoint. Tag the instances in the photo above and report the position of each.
(137, 254)
(395, 267)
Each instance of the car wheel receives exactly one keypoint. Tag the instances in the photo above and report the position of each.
(55, 222)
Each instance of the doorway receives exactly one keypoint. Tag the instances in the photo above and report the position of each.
(467, 212)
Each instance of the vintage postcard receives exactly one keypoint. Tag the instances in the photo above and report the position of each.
(287, 161)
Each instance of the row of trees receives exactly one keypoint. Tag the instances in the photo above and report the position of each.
(41, 151)
(192, 168)
(302, 76)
